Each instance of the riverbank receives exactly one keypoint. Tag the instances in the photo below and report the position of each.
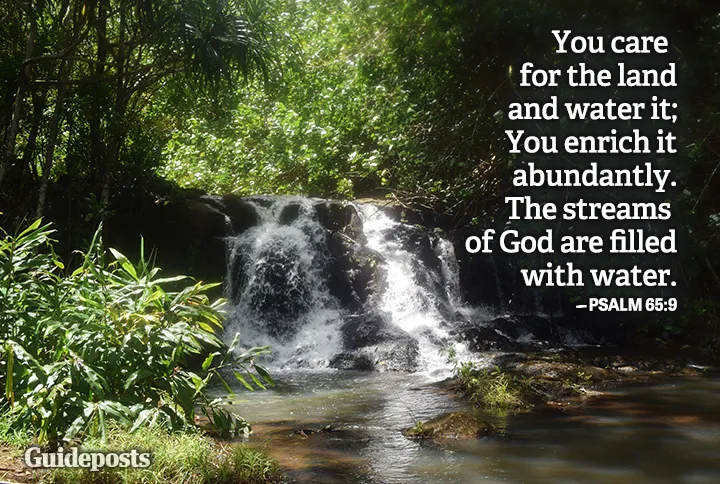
(562, 377)
(189, 457)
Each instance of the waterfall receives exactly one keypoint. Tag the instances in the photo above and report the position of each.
(282, 295)
(276, 286)
(420, 299)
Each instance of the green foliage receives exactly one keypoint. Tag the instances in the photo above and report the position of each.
(92, 69)
(17, 439)
(324, 127)
(187, 457)
(374, 95)
(493, 389)
(245, 464)
(108, 341)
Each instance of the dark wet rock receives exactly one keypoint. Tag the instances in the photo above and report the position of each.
(289, 213)
(455, 425)
(485, 338)
(401, 356)
(242, 215)
(352, 361)
(368, 277)
(340, 217)
(370, 329)
(262, 200)
(516, 333)
(524, 326)
(416, 240)
(371, 342)
(305, 433)
(356, 272)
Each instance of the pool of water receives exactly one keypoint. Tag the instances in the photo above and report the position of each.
(665, 432)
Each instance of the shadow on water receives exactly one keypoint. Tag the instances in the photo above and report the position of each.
(667, 432)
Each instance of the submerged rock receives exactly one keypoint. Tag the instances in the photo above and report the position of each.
(305, 433)
(455, 425)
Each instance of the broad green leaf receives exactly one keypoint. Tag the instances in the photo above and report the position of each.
(242, 380)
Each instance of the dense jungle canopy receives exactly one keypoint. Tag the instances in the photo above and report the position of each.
(334, 98)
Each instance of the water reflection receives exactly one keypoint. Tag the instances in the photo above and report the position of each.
(663, 433)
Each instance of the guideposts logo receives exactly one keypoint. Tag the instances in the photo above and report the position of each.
(36, 458)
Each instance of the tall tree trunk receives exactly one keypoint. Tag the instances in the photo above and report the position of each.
(97, 151)
(52, 137)
(116, 128)
(9, 151)
(39, 102)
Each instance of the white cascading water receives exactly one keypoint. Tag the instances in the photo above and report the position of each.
(293, 249)
(414, 308)
(282, 299)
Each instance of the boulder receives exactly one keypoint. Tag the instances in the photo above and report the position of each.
(485, 338)
(514, 333)
(340, 217)
(352, 361)
(242, 215)
(370, 329)
(400, 355)
(415, 240)
(289, 213)
(371, 342)
(450, 426)
(355, 271)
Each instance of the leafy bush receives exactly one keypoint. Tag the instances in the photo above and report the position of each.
(108, 341)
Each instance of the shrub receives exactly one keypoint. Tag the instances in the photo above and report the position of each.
(108, 341)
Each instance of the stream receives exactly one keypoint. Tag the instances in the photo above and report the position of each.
(666, 432)
(332, 288)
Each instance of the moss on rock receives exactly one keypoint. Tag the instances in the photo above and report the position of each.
(455, 425)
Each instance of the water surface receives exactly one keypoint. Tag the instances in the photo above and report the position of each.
(666, 432)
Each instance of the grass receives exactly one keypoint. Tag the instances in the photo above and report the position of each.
(494, 389)
(12, 437)
(189, 457)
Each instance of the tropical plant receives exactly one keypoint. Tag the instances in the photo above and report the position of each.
(109, 341)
